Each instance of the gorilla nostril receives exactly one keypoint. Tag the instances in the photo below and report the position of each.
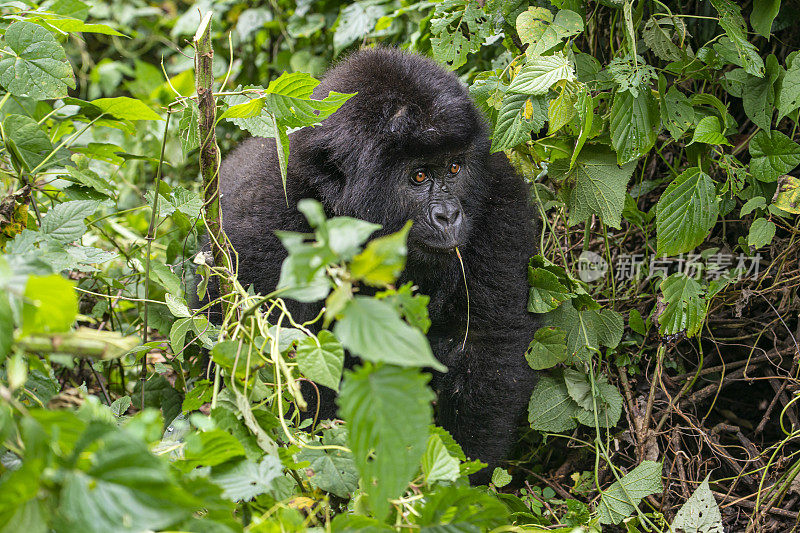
(445, 217)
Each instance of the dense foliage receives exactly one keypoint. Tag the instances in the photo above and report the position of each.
(659, 139)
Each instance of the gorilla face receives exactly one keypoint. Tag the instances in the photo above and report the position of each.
(409, 146)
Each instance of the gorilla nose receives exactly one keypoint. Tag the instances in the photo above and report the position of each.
(445, 217)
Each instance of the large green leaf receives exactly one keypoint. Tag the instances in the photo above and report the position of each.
(387, 409)
(551, 408)
(732, 21)
(772, 155)
(764, 12)
(26, 141)
(355, 21)
(686, 212)
(321, 359)
(547, 349)
(332, 470)
(50, 305)
(519, 115)
(540, 73)
(685, 305)
(598, 185)
(634, 124)
(461, 510)
(538, 29)
(126, 108)
(35, 64)
(373, 330)
(676, 111)
(383, 259)
(437, 463)
(64, 222)
(787, 97)
(623, 496)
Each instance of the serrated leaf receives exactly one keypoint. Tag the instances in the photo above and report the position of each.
(787, 195)
(686, 212)
(731, 20)
(355, 21)
(540, 73)
(36, 64)
(387, 442)
(383, 259)
(126, 108)
(26, 140)
(537, 28)
(437, 463)
(622, 498)
(708, 132)
(700, 513)
(551, 409)
(188, 128)
(677, 112)
(546, 292)
(598, 185)
(372, 329)
(547, 349)
(634, 124)
(660, 34)
(64, 222)
(787, 96)
(685, 305)
(607, 403)
(332, 470)
(561, 111)
(500, 477)
(761, 233)
(243, 480)
(519, 115)
(321, 359)
(772, 155)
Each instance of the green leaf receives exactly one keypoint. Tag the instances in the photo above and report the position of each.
(237, 355)
(551, 408)
(598, 185)
(761, 233)
(677, 112)
(519, 115)
(666, 37)
(126, 108)
(461, 510)
(6, 328)
(761, 17)
(72, 25)
(355, 21)
(547, 349)
(540, 73)
(387, 442)
(188, 127)
(321, 359)
(210, 448)
(50, 305)
(332, 470)
(458, 28)
(636, 322)
(772, 155)
(708, 132)
(634, 124)
(561, 110)
(36, 64)
(64, 222)
(787, 195)
(686, 212)
(623, 496)
(500, 477)
(26, 140)
(731, 20)
(372, 329)
(546, 292)
(608, 401)
(243, 480)
(346, 235)
(437, 463)
(700, 513)
(383, 259)
(538, 29)
(685, 305)
(758, 94)
(787, 96)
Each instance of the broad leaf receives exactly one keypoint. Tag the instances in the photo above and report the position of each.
(372, 329)
(437, 463)
(387, 441)
(787, 195)
(634, 124)
(36, 64)
(519, 115)
(700, 513)
(685, 305)
(540, 73)
(598, 185)
(686, 212)
(551, 408)
(26, 141)
(540, 31)
(772, 155)
(321, 359)
(708, 132)
(623, 496)
(64, 222)
(547, 349)
(332, 470)
(761, 233)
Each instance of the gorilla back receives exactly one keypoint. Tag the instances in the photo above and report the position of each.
(411, 146)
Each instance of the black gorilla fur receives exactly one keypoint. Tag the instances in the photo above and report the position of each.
(411, 114)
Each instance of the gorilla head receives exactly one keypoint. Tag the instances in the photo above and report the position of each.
(410, 146)
(412, 139)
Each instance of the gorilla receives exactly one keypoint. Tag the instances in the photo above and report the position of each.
(411, 145)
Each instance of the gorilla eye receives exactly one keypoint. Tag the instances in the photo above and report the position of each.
(454, 168)
(420, 176)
